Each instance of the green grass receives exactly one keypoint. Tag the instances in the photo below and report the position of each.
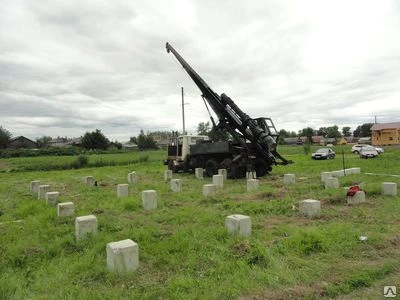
(185, 251)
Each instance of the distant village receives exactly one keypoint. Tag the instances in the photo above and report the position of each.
(381, 134)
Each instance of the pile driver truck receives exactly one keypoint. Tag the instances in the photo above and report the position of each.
(253, 144)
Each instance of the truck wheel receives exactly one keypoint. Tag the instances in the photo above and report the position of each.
(211, 167)
(172, 167)
(261, 168)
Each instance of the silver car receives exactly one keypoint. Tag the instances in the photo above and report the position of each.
(323, 153)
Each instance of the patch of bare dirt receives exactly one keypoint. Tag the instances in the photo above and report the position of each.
(4, 165)
(259, 196)
(241, 249)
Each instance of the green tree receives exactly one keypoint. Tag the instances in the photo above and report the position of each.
(215, 135)
(95, 140)
(145, 141)
(5, 137)
(363, 131)
(133, 139)
(307, 132)
(43, 141)
(322, 131)
(346, 131)
(203, 128)
(333, 132)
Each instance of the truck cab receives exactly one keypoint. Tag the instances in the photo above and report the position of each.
(180, 148)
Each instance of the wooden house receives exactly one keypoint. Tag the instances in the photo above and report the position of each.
(386, 134)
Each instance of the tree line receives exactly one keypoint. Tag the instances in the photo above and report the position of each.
(96, 140)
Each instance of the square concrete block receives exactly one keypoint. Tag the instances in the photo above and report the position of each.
(209, 189)
(218, 180)
(223, 172)
(251, 175)
(122, 190)
(149, 199)
(289, 179)
(332, 182)
(176, 185)
(132, 177)
(167, 175)
(35, 186)
(239, 225)
(42, 190)
(310, 208)
(122, 256)
(325, 175)
(359, 197)
(389, 188)
(88, 180)
(52, 198)
(252, 184)
(65, 209)
(85, 225)
(338, 173)
(199, 172)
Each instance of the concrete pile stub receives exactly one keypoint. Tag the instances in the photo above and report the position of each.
(238, 225)
(65, 209)
(52, 198)
(209, 189)
(122, 256)
(251, 175)
(223, 172)
(88, 180)
(289, 179)
(132, 177)
(252, 184)
(325, 175)
(122, 190)
(218, 180)
(389, 188)
(42, 190)
(357, 198)
(85, 225)
(353, 171)
(339, 173)
(167, 175)
(310, 208)
(35, 186)
(332, 182)
(199, 172)
(176, 185)
(149, 199)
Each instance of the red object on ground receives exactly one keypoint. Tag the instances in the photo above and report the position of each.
(353, 190)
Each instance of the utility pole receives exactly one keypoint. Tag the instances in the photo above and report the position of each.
(183, 113)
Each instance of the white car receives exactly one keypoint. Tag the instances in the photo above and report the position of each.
(368, 152)
(356, 148)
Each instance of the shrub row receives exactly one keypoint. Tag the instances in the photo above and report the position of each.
(82, 161)
(53, 151)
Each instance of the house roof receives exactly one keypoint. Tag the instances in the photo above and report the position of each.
(21, 138)
(381, 126)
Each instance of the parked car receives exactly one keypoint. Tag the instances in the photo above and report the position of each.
(356, 148)
(368, 152)
(323, 153)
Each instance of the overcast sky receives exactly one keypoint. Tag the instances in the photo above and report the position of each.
(68, 67)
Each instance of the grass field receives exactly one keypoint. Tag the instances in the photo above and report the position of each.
(185, 251)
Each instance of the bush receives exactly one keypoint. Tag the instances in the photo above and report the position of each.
(80, 162)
